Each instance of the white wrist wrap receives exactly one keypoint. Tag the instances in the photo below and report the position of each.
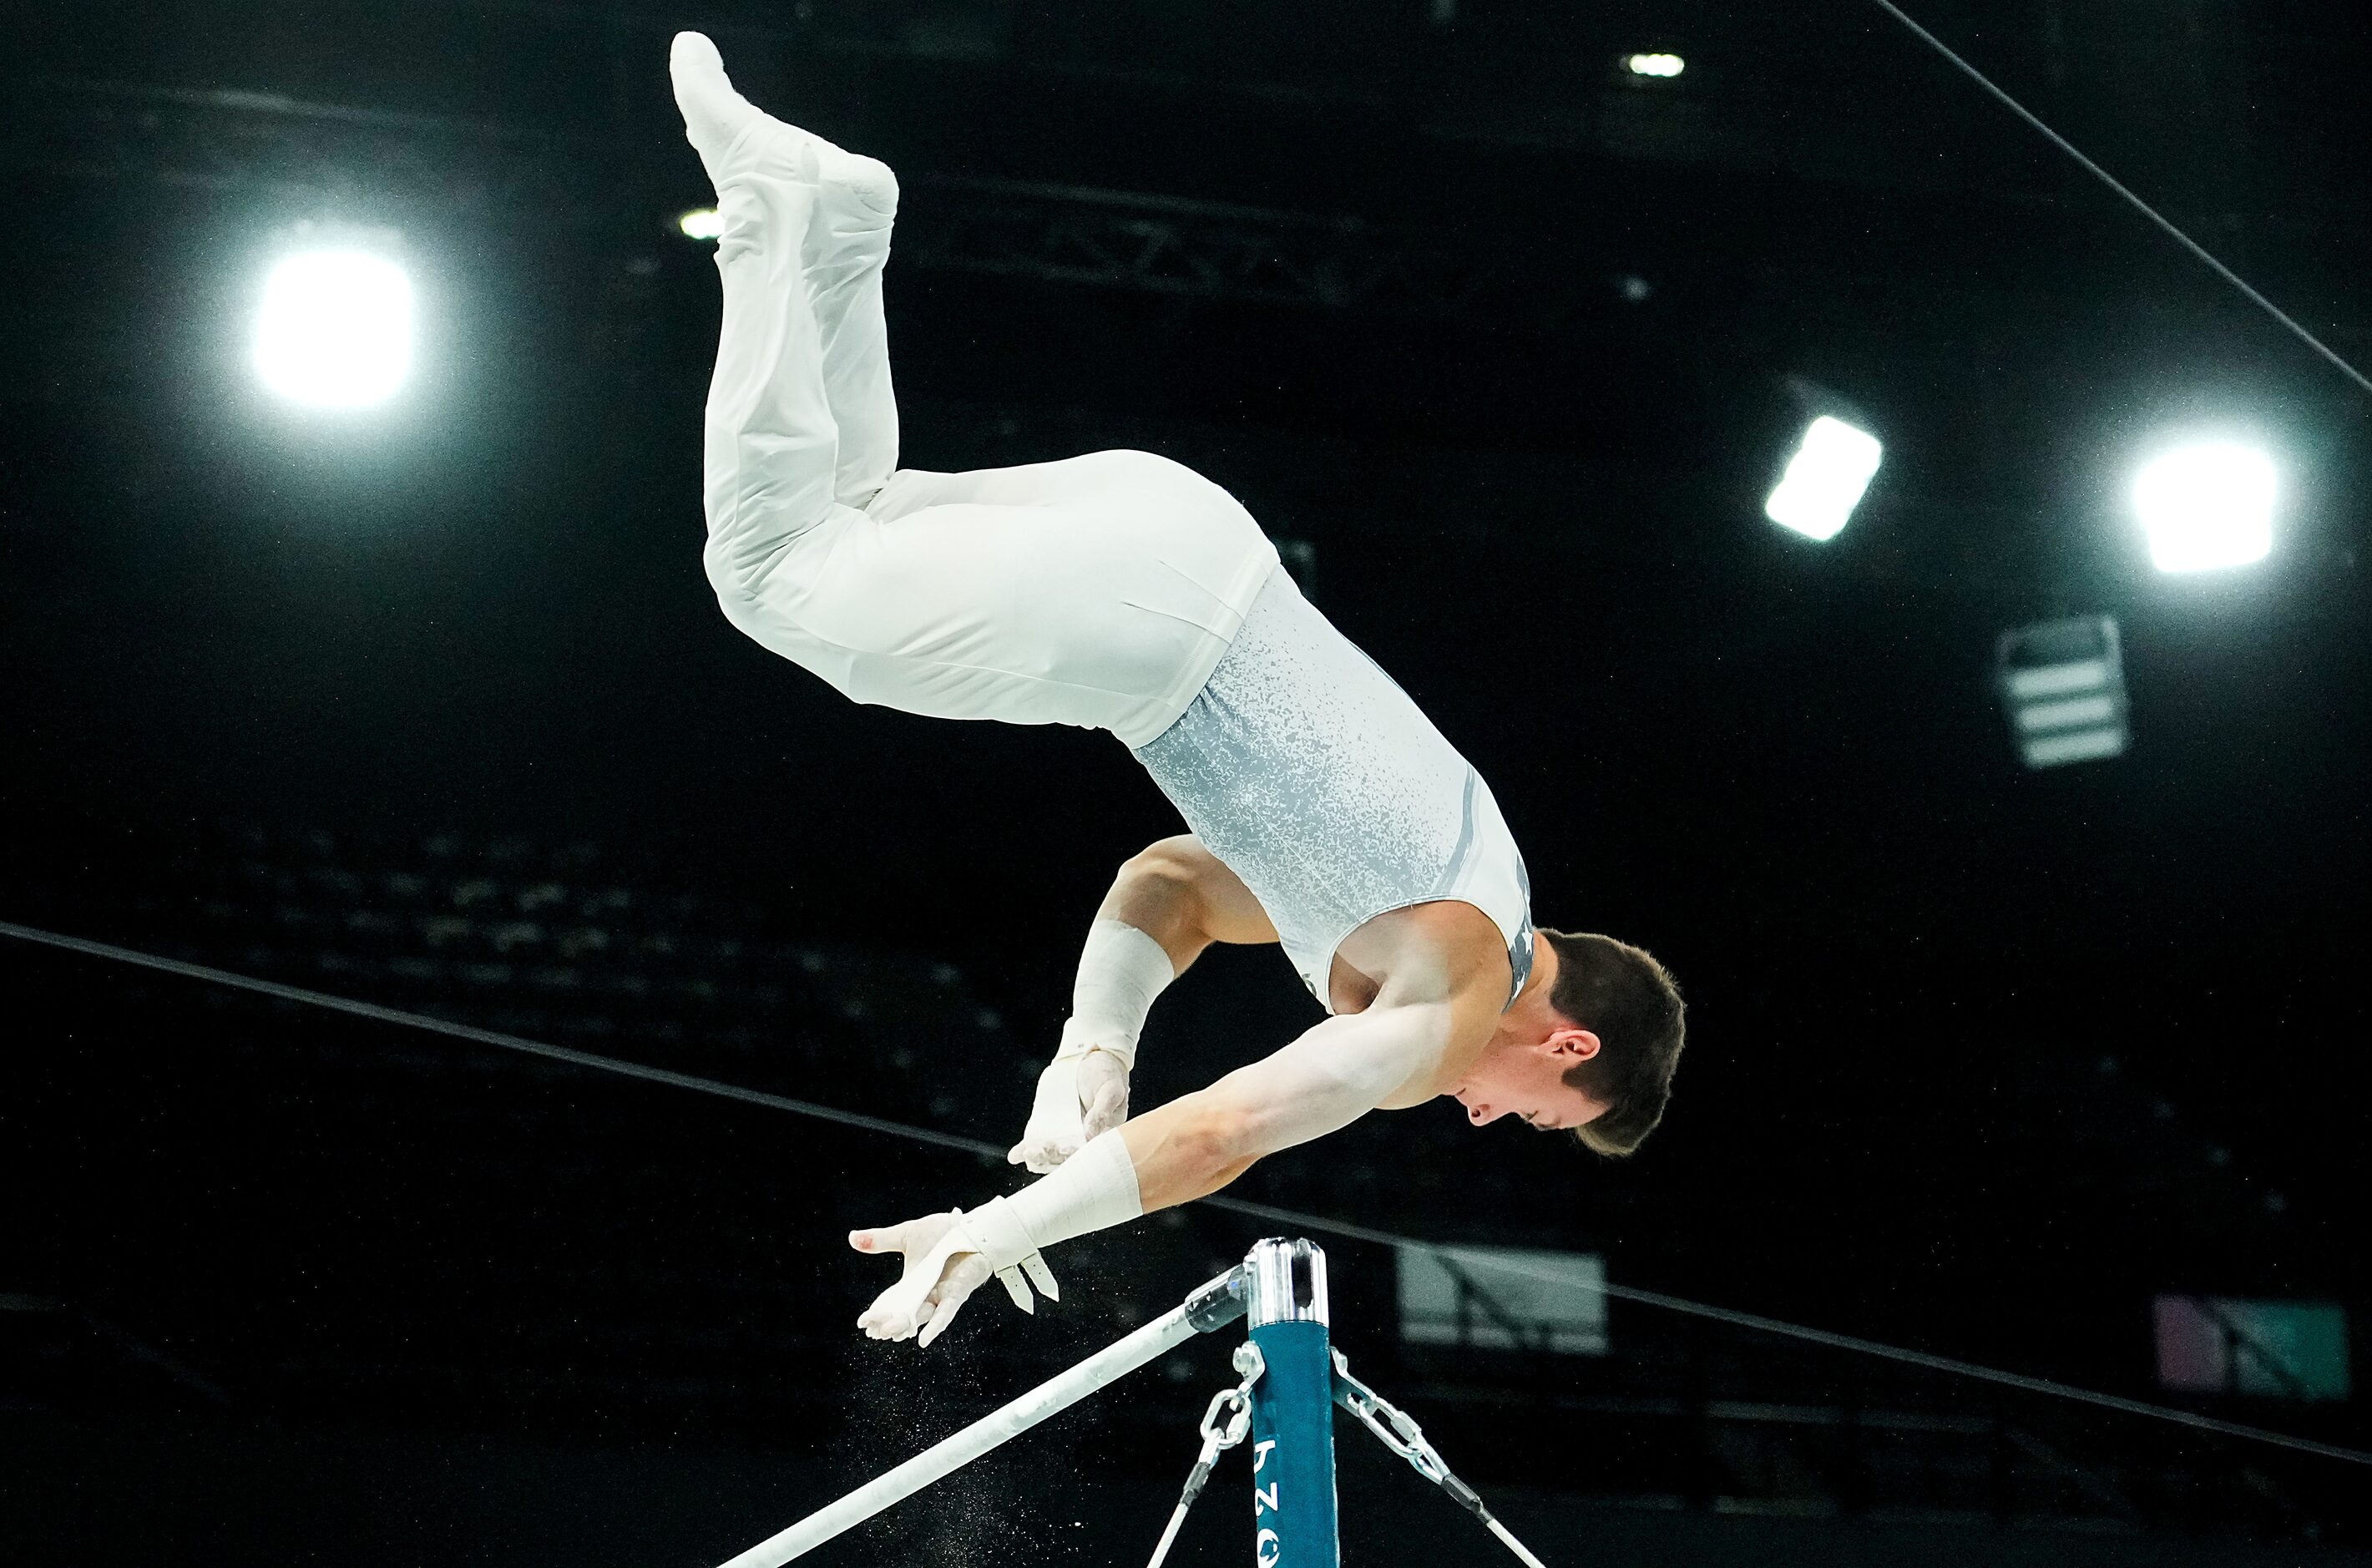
(1121, 970)
(1094, 1190)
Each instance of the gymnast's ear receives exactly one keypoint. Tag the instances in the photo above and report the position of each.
(1572, 1047)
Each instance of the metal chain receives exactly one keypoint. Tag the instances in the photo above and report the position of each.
(1405, 1437)
(1224, 1421)
(1395, 1429)
(1238, 1403)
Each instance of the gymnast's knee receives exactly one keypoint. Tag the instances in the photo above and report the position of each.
(760, 555)
(736, 585)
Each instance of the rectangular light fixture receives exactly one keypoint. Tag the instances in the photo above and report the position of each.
(2063, 684)
(335, 327)
(2207, 505)
(1825, 480)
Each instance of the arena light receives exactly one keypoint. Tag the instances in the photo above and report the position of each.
(335, 329)
(701, 222)
(1825, 480)
(1655, 65)
(2206, 505)
(2063, 684)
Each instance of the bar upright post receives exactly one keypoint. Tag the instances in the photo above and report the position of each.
(1293, 1415)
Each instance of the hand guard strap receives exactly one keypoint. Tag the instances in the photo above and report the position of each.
(1095, 1190)
(995, 1232)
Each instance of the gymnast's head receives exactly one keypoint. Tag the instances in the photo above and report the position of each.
(1588, 1048)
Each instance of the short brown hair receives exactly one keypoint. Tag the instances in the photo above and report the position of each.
(1628, 1000)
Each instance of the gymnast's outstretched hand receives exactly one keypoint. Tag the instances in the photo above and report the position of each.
(939, 1274)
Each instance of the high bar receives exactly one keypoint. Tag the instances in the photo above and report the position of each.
(1214, 1306)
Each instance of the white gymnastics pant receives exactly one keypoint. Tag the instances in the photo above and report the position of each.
(1099, 591)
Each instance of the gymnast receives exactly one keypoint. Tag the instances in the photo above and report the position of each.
(1122, 591)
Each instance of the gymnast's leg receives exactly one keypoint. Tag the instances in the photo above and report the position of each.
(1093, 591)
(801, 417)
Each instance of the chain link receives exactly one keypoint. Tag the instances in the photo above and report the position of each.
(1224, 1423)
(1237, 1401)
(1405, 1437)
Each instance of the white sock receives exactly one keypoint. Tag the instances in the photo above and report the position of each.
(713, 113)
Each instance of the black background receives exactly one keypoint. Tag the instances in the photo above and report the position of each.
(1981, 1059)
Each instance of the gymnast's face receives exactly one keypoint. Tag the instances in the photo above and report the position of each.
(1525, 1078)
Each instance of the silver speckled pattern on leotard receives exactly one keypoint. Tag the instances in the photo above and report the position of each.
(1314, 776)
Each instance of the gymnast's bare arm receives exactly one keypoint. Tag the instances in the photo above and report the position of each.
(1186, 898)
(1431, 1017)
(1440, 973)
(1443, 982)
(1168, 902)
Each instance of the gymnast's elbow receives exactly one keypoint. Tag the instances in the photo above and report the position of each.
(1217, 1145)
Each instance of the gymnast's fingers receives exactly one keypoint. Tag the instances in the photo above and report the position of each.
(963, 1276)
(1108, 1110)
(888, 1238)
(1047, 1153)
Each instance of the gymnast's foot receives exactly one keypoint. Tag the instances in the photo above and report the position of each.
(734, 137)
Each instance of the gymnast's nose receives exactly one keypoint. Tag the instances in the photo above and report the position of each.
(1483, 1115)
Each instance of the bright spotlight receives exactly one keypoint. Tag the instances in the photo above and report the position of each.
(335, 329)
(2207, 505)
(1825, 480)
(1655, 65)
(702, 223)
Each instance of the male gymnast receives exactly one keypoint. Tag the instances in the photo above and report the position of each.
(1122, 591)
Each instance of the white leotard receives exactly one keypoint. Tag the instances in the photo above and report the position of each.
(1320, 784)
